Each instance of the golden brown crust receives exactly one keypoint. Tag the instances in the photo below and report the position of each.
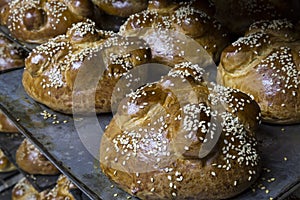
(153, 146)
(11, 56)
(38, 21)
(3, 11)
(121, 8)
(265, 64)
(60, 191)
(6, 125)
(5, 164)
(31, 160)
(184, 18)
(51, 83)
(23, 190)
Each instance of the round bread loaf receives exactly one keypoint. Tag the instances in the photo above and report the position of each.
(32, 161)
(265, 63)
(6, 125)
(37, 21)
(23, 190)
(121, 8)
(186, 18)
(182, 139)
(5, 165)
(11, 56)
(51, 83)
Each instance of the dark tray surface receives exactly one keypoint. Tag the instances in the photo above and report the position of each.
(279, 145)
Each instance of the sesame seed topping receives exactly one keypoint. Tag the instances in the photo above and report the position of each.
(272, 25)
(213, 173)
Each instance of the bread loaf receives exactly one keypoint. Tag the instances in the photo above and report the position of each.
(265, 63)
(32, 161)
(121, 8)
(51, 83)
(23, 190)
(6, 125)
(5, 164)
(186, 18)
(37, 21)
(153, 147)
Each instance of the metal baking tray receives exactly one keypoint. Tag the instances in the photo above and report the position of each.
(9, 143)
(4, 177)
(279, 146)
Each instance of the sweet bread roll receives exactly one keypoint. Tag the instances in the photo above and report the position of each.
(60, 191)
(121, 8)
(52, 68)
(32, 161)
(37, 21)
(23, 190)
(160, 143)
(6, 125)
(184, 18)
(239, 15)
(265, 63)
(11, 56)
(5, 165)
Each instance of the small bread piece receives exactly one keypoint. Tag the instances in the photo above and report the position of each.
(11, 56)
(6, 125)
(121, 8)
(187, 18)
(52, 68)
(5, 165)
(60, 191)
(37, 21)
(32, 161)
(152, 148)
(23, 190)
(265, 63)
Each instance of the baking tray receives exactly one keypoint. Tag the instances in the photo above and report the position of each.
(5, 176)
(9, 143)
(279, 146)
